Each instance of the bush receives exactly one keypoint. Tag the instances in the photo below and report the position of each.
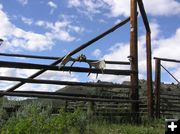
(33, 119)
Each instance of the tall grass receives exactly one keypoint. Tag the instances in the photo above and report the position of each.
(34, 118)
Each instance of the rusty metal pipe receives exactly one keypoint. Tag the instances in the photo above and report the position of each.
(166, 59)
(56, 68)
(56, 58)
(157, 86)
(149, 76)
(134, 55)
(56, 82)
(144, 16)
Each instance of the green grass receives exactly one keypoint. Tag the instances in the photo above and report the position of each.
(32, 119)
(126, 129)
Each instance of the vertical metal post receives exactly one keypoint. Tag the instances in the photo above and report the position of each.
(134, 55)
(149, 76)
(157, 86)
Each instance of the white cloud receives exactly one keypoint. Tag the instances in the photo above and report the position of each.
(96, 53)
(155, 30)
(117, 21)
(168, 47)
(40, 23)
(152, 7)
(102, 21)
(23, 2)
(87, 7)
(74, 3)
(28, 21)
(115, 8)
(1, 7)
(76, 29)
(116, 54)
(60, 29)
(118, 7)
(17, 39)
(52, 5)
(162, 7)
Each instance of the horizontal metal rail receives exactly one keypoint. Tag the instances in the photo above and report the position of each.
(72, 94)
(166, 59)
(56, 68)
(56, 58)
(67, 97)
(56, 82)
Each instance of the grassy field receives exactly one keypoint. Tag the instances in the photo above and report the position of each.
(32, 119)
(127, 129)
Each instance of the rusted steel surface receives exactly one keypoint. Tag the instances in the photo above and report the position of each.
(56, 58)
(66, 97)
(134, 55)
(56, 82)
(144, 16)
(148, 59)
(30, 56)
(56, 68)
(149, 75)
(166, 59)
(157, 86)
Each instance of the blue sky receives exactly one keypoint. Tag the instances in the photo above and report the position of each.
(55, 27)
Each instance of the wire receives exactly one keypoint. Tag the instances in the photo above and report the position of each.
(170, 74)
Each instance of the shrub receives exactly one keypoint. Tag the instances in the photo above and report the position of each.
(33, 119)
